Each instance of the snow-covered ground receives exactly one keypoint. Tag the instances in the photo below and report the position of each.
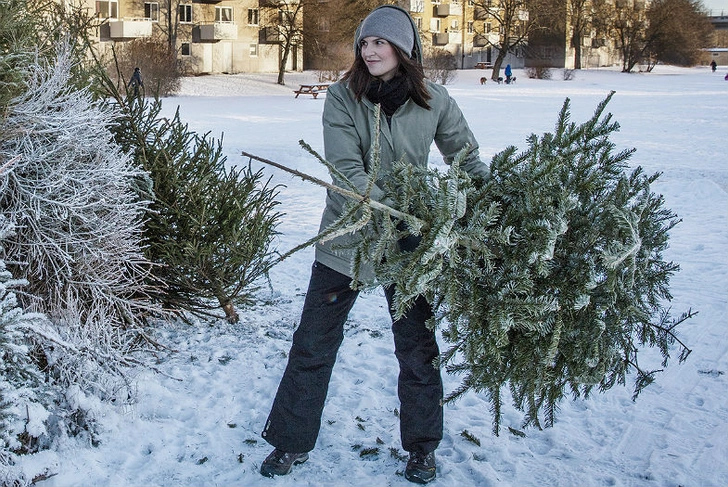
(198, 422)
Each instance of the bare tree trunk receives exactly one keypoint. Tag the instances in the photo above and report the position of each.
(497, 64)
(576, 40)
(283, 62)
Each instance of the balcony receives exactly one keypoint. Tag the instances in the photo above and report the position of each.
(130, 28)
(440, 38)
(275, 3)
(218, 31)
(479, 40)
(269, 35)
(442, 10)
(479, 13)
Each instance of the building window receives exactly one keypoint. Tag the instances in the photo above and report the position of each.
(488, 27)
(418, 22)
(223, 14)
(417, 5)
(253, 14)
(151, 11)
(435, 25)
(185, 14)
(107, 9)
(185, 49)
(254, 50)
(471, 28)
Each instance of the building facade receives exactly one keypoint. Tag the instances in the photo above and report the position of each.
(461, 27)
(209, 36)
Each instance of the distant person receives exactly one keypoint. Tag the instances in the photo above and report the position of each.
(713, 65)
(136, 81)
(509, 73)
(726, 77)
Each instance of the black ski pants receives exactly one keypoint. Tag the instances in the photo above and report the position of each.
(295, 418)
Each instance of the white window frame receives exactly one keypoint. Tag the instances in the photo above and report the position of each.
(151, 11)
(111, 9)
(185, 13)
(220, 17)
(417, 6)
(253, 16)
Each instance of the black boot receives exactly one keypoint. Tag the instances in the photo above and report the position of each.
(281, 463)
(421, 468)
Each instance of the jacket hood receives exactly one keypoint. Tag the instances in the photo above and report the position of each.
(416, 50)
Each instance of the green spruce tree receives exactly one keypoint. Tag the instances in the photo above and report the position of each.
(210, 227)
(547, 278)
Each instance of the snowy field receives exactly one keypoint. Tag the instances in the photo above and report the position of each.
(198, 422)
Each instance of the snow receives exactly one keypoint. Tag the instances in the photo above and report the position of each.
(197, 422)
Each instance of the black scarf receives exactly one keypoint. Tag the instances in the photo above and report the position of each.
(390, 94)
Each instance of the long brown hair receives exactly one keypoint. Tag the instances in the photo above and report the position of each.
(359, 77)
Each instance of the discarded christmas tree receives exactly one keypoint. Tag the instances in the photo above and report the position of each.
(547, 278)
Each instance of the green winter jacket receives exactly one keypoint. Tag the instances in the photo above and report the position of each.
(349, 126)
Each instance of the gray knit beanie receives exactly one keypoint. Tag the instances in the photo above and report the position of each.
(391, 24)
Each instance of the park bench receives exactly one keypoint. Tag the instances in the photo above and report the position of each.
(312, 89)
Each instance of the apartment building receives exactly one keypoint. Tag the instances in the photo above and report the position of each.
(461, 27)
(209, 36)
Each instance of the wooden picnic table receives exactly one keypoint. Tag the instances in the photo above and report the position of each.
(312, 89)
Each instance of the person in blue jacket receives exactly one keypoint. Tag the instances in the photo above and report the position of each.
(508, 73)
(386, 77)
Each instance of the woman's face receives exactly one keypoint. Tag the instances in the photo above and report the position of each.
(380, 57)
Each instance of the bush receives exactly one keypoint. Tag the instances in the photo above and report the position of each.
(539, 72)
(441, 66)
(157, 63)
(78, 220)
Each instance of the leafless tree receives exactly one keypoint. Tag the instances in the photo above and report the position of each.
(513, 22)
(677, 30)
(282, 22)
(585, 17)
(664, 30)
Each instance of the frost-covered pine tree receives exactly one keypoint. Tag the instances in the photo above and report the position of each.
(21, 382)
(69, 192)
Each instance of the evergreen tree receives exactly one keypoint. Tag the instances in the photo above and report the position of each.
(209, 228)
(20, 378)
(547, 278)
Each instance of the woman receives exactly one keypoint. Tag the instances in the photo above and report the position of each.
(387, 71)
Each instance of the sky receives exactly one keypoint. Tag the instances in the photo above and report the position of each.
(717, 6)
(196, 419)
